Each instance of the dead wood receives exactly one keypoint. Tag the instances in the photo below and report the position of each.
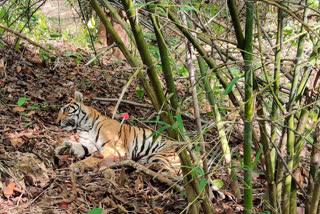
(141, 168)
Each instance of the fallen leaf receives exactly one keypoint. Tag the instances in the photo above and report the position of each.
(31, 113)
(63, 204)
(18, 109)
(8, 190)
(138, 183)
(18, 68)
(15, 141)
(298, 176)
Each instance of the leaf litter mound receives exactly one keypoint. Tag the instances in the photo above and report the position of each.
(31, 178)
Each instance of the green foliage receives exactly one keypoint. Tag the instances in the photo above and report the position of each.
(230, 85)
(22, 100)
(218, 183)
(27, 124)
(202, 184)
(257, 157)
(140, 92)
(95, 211)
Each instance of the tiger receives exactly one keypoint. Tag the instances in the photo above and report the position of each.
(99, 133)
(113, 140)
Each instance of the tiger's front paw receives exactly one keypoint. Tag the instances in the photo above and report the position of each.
(72, 148)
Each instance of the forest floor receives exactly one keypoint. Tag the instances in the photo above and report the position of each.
(31, 178)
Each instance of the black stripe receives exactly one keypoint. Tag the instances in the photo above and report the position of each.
(119, 134)
(143, 142)
(74, 108)
(93, 123)
(97, 136)
(105, 143)
(156, 148)
(84, 115)
(149, 147)
(86, 151)
(135, 145)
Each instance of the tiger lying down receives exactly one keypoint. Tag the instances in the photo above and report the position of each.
(98, 133)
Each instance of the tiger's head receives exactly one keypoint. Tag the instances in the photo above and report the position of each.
(68, 117)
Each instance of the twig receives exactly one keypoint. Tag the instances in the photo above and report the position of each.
(124, 89)
(141, 168)
(105, 49)
(25, 38)
(123, 101)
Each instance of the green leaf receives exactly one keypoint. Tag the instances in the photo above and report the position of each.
(95, 211)
(239, 159)
(180, 122)
(27, 124)
(234, 71)
(199, 171)
(154, 121)
(257, 172)
(22, 100)
(197, 148)
(184, 194)
(159, 130)
(142, 4)
(202, 184)
(54, 35)
(218, 183)
(2, 12)
(22, 113)
(91, 23)
(189, 9)
(174, 126)
(230, 85)
(140, 92)
(257, 157)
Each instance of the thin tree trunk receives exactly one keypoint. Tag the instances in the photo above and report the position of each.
(249, 108)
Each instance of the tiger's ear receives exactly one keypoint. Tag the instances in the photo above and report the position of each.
(78, 97)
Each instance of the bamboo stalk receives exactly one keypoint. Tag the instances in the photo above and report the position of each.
(222, 134)
(314, 166)
(249, 107)
(289, 195)
(132, 61)
(166, 69)
(167, 116)
(315, 195)
(192, 79)
(203, 53)
(269, 161)
(276, 84)
(165, 60)
(147, 60)
(236, 23)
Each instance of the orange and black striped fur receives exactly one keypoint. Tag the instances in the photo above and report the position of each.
(98, 133)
